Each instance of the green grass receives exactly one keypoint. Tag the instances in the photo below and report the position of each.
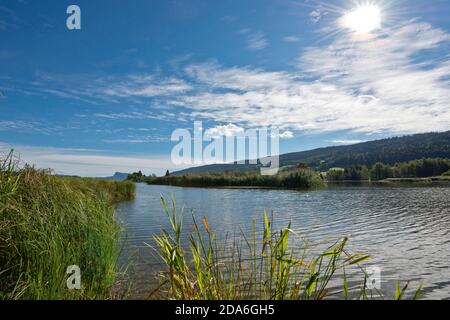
(299, 178)
(265, 265)
(48, 223)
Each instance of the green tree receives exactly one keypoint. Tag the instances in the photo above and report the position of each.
(380, 171)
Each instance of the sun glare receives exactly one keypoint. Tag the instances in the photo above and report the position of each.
(363, 20)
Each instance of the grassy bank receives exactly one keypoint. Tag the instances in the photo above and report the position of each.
(266, 264)
(292, 179)
(48, 223)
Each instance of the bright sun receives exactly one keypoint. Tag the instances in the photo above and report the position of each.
(363, 20)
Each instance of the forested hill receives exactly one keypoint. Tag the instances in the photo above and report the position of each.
(388, 151)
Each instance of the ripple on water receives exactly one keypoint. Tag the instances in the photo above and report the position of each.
(406, 229)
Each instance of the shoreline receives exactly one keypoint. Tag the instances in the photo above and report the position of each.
(390, 181)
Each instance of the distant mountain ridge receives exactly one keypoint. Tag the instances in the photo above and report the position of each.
(119, 176)
(388, 151)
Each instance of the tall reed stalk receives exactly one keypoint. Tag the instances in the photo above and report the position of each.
(48, 223)
(269, 266)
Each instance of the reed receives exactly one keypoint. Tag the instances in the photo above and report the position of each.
(48, 223)
(299, 178)
(269, 266)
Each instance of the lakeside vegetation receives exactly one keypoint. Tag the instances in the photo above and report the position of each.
(266, 264)
(423, 168)
(404, 158)
(48, 223)
(303, 177)
(297, 178)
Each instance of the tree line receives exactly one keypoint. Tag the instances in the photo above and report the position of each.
(412, 169)
(297, 178)
(301, 176)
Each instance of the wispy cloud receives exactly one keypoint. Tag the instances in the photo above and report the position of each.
(257, 41)
(347, 142)
(25, 126)
(138, 139)
(244, 31)
(161, 115)
(229, 19)
(16, 125)
(99, 89)
(238, 78)
(382, 84)
(317, 14)
(370, 86)
(9, 20)
(291, 39)
(85, 162)
(409, 95)
(148, 86)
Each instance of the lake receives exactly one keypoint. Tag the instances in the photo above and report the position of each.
(406, 229)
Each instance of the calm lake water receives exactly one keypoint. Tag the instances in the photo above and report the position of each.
(406, 229)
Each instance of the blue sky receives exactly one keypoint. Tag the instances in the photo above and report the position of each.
(107, 97)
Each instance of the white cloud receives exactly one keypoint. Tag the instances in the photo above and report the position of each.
(287, 135)
(291, 39)
(236, 78)
(227, 130)
(257, 41)
(6, 125)
(347, 142)
(134, 139)
(30, 127)
(162, 115)
(317, 14)
(382, 84)
(244, 31)
(148, 86)
(96, 90)
(409, 96)
(371, 86)
(84, 162)
(282, 135)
